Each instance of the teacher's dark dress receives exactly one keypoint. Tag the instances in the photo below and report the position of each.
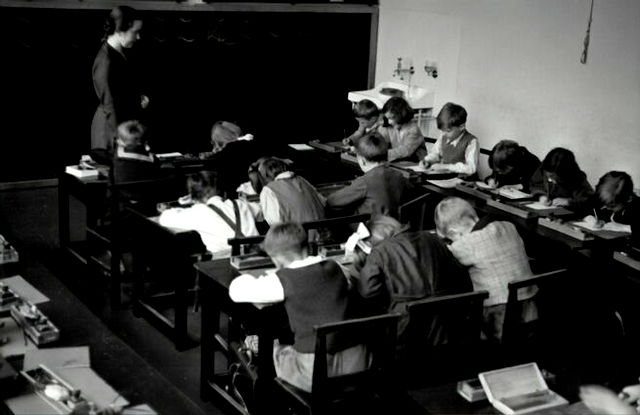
(115, 84)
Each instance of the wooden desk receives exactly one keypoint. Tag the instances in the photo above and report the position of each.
(170, 254)
(215, 278)
(85, 197)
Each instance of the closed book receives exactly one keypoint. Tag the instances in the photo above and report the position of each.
(81, 172)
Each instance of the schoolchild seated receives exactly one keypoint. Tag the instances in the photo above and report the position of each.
(369, 119)
(395, 266)
(511, 165)
(457, 150)
(616, 207)
(560, 182)
(212, 215)
(401, 131)
(285, 196)
(315, 292)
(381, 190)
(494, 254)
(133, 159)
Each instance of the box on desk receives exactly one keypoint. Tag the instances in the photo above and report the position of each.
(8, 253)
(565, 228)
(519, 390)
(81, 171)
(250, 261)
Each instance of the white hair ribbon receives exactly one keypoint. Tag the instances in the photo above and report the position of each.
(356, 239)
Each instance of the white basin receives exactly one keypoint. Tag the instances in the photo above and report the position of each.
(417, 97)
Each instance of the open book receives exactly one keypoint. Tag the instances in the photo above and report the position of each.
(519, 389)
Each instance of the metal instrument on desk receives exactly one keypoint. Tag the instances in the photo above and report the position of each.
(565, 228)
(34, 323)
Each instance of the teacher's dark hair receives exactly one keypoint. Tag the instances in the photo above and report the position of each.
(120, 19)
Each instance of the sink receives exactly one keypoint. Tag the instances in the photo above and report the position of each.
(417, 96)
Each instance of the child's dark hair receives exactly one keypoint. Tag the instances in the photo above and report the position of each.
(286, 240)
(400, 107)
(615, 188)
(271, 167)
(120, 19)
(451, 115)
(506, 153)
(373, 147)
(562, 162)
(367, 109)
(203, 185)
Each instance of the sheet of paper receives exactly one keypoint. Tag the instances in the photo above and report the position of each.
(301, 147)
(511, 193)
(143, 409)
(25, 290)
(417, 168)
(18, 342)
(447, 184)
(540, 206)
(164, 156)
(57, 358)
(30, 404)
(93, 387)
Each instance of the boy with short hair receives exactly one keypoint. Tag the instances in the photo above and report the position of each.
(369, 119)
(457, 149)
(314, 291)
(133, 160)
(287, 197)
(494, 253)
(381, 190)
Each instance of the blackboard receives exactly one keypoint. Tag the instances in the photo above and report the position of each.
(282, 76)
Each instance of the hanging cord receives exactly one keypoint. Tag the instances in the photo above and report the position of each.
(587, 38)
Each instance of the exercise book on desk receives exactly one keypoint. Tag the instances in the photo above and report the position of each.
(519, 390)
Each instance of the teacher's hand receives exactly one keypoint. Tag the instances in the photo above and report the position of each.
(144, 101)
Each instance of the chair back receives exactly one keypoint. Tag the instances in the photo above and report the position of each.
(546, 301)
(445, 319)
(378, 336)
(418, 212)
(442, 339)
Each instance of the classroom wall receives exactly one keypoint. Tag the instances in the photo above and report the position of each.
(515, 65)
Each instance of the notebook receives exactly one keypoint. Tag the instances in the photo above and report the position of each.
(519, 390)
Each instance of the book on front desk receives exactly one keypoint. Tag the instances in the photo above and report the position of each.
(519, 390)
(81, 171)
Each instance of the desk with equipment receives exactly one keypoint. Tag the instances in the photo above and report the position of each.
(84, 356)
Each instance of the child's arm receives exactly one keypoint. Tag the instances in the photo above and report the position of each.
(353, 138)
(355, 192)
(412, 138)
(435, 154)
(263, 289)
(470, 164)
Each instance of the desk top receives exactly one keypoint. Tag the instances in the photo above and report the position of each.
(219, 270)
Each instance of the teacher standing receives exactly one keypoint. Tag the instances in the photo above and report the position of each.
(114, 78)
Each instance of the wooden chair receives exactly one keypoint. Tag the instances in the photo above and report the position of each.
(418, 213)
(442, 338)
(338, 231)
(330, 394)
(164, 258)
(514, 329)
(111, 236)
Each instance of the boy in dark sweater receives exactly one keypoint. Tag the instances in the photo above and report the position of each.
(381, 190)
(314, 291)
